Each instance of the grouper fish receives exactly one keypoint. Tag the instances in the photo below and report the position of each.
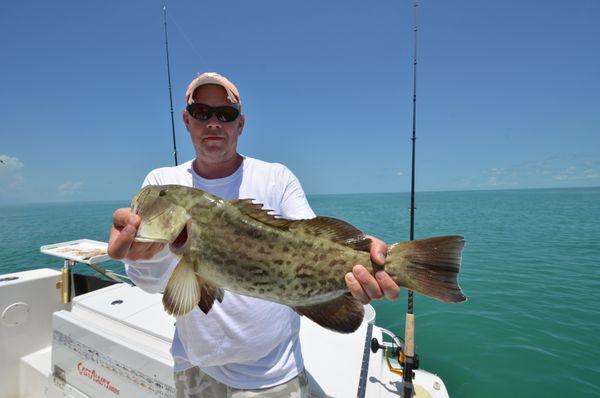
(238, 246)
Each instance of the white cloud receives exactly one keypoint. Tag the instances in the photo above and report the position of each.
(570, 173)
(400, 173)
(494, 176)
(8, 164)
(10, 177)
(563, 170)
(69, 188)
(591, 173)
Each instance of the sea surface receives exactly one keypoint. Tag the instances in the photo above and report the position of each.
(531, 271)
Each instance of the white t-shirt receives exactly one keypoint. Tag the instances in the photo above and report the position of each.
(243, 342)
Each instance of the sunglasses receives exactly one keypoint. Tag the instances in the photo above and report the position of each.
(204, 112)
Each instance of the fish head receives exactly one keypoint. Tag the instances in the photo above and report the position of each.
(164, 216)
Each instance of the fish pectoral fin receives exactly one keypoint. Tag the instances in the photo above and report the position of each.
(183, 290)
(208, 295)
(256, 211)
(343, 314)
(338, 231)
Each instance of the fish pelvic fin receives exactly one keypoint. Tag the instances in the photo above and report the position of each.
(208, 295)
(343, 314)
(183, 290)
(430, 265)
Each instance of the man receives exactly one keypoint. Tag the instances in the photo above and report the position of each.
(244, 346)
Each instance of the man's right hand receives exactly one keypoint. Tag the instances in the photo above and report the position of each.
(121, 244)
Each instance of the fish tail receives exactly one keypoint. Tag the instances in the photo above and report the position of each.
(428, 266)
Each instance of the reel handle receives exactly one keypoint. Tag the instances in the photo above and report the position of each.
(375, 346)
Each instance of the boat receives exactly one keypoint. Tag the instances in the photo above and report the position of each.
(65, 333)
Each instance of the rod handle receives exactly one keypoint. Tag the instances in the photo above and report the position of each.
(409, 336)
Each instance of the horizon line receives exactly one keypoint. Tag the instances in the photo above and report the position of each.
(16, 204)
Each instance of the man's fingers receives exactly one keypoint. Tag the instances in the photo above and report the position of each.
(122, 238)
(378, 250)
(121, 241)
(355, 289)
(363, 286)
(122, 233)
(390, 289)
(121, 216)
(367, 282)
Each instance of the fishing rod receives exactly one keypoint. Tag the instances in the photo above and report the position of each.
(169, 76)
(410, 359)
(404, 351)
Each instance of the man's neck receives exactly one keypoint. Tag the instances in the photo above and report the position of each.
(211, 170)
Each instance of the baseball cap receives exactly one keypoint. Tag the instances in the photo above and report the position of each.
(213, 78)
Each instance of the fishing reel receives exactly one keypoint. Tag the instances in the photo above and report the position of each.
(393, 349)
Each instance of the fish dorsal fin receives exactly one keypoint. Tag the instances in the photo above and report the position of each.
(331, 228)
(343, 314)
(257, 212)
(326, 227)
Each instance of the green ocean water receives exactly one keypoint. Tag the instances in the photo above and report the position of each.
(531, 271)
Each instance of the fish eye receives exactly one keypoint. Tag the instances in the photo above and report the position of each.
(162, 192)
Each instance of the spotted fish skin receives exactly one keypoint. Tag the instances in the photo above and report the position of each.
(232, 249)
(238, 246)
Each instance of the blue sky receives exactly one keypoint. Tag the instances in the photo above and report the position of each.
(508, 92)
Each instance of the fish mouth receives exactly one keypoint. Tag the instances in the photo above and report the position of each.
(181, 241)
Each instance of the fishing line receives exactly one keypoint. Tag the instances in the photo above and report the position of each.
(169, 77)
(189, 42)
(185, 36)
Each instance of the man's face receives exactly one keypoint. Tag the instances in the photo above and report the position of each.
(215, 141)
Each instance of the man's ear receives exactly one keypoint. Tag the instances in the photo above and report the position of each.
(241, 121)
(186, 119)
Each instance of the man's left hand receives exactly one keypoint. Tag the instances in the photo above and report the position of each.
(361, 283)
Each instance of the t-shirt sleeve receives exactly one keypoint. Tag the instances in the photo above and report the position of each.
(153, 274)
(294, 205)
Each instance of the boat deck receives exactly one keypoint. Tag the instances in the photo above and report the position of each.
(117, 339)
